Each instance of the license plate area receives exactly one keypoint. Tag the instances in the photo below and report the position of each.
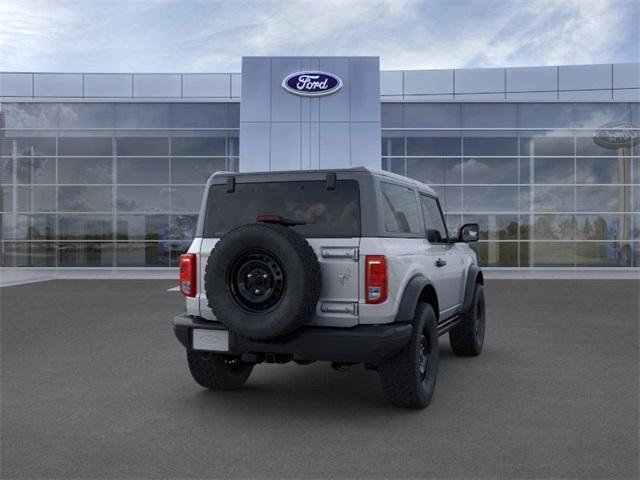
(211, 340)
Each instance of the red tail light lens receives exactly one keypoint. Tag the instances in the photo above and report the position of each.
(188, 270)
(375, 278)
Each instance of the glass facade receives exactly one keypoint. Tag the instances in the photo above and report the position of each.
(120, 184)
(108, 184)
(544, 193)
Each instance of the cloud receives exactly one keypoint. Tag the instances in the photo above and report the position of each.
(200, 35)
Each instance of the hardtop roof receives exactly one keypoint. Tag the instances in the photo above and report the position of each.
(362, 169)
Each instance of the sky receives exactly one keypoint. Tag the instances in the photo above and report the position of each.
(212, 36)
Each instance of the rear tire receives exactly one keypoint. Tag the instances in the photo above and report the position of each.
(467, 338)
(218, 372)
(409, 378)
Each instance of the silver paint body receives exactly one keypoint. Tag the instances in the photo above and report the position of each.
(342, 299)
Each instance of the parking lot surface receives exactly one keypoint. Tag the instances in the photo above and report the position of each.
(94, 385)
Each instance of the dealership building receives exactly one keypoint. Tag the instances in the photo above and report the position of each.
(108, 170)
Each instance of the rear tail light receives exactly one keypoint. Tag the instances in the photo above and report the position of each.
(375, 278)
(188, 270)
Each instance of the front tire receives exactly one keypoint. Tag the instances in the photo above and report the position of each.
(218, 372)
(467, 338)
(409, 378)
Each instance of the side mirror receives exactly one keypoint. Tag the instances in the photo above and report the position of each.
(433, 236)
(469, 232)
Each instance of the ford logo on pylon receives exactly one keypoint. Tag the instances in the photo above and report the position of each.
(312, 84)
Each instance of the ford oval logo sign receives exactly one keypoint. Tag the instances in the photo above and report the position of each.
(312, 84)
(617, 135)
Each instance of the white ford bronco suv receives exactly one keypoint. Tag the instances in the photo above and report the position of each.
(348, 266)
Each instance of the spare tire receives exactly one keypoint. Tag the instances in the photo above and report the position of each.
(262, 280)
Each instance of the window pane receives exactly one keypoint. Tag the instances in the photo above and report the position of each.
(325, 212)
(554, 227)
(552, 254)
(84, 199)
(495, 227)
(598, 114)
(6, 198)
(84, 146)
(183, 227)
(489, 115)
(198, 146)
(603, 199)
(604, 254)
(143, 170)
(199, 115)
(586, 146)
(427, 145)
(35, 146)
(6, 170)
(194, 170)
(400, 209)
(36, 170)
(36, 199)
(143, 115)
(30, 115)
(83, 115)
(490, 146)
(392, 144)
(553, 170)
(142, 254)
(430, 115)
(546, 146)
(490, 199)
(490, 170)
(186, 199)
(496, 254)
(93, 254)
(143, 199)
(433, 221)
(40, 254)
(603, 170)
(29, 227)
(392, 115)
(394, 165)
(450, 198)
(435, 170)
(143, 227)
(553, 199)
(545, 115)
(84, 170)
(143, 146)
(604, 227)
(85, 227)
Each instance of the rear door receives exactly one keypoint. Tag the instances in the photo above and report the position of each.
(329, 217)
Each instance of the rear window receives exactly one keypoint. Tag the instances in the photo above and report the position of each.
(327, 213)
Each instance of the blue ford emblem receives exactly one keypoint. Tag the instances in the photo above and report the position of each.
(312, 84)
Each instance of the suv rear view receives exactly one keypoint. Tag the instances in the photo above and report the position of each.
(317, 265)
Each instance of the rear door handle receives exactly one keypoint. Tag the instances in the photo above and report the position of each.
(440, 263)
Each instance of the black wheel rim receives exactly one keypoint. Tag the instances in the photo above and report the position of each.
(257, 281)
(424, 351)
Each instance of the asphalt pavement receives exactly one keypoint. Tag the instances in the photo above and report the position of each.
(94, 385)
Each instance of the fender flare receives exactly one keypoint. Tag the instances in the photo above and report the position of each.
(472, 276)
(410, 297)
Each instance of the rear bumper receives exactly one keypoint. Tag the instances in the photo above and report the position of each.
(361, 344)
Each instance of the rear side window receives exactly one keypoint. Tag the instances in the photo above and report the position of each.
(327, 213)
(433, 220)
(400, 209)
